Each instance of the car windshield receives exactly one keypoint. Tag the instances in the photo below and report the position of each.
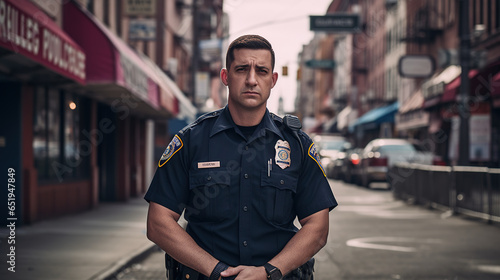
(396, 149)
(332, 145)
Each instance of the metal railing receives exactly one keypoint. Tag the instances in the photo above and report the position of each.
(468, 190)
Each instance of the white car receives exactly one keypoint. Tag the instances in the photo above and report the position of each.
(380, 155)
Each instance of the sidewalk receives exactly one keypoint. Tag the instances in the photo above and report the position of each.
(91, 245)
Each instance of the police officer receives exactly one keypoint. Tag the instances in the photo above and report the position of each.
(242, 175)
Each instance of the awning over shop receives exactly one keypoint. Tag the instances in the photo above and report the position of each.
(187, 111)
(411, 115)
(435, 85)
(27, 32)
(433, 89)
(373, 118)
(346, 117)
(115, 72)
(451, 89)
(413, 103)
(482, 85)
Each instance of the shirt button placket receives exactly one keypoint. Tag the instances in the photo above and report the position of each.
(246, 186)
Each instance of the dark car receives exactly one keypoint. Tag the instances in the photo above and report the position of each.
(336, 169)
(329, 148)
(350, 166)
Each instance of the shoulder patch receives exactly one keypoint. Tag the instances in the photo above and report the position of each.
(313, 153)
(172, 148)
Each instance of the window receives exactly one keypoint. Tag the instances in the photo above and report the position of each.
(59, 129)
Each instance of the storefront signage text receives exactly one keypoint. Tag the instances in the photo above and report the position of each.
(29, 35)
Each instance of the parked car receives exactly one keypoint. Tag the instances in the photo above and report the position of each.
(381, 154)
(350, 166)
(329, 147)
(425, 155)
(334, 168)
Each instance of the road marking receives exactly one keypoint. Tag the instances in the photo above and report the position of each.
(370, 243)
(489, 268)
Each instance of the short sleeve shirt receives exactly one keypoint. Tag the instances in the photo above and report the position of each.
(241, 195)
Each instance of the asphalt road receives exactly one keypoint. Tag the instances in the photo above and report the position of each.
(374, 237)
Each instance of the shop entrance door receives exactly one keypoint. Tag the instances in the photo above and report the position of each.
(107, 155)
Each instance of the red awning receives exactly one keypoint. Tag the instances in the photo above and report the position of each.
(113, 67)
(484, 83)
(26, 30)
(451, 90)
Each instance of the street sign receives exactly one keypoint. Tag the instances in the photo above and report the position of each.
(416, 66)
(339, 22)
(323, 64)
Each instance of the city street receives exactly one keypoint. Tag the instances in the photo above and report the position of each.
(374, 237)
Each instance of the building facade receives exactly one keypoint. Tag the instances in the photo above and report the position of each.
(89, 89)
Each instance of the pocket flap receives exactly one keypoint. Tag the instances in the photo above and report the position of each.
(280, 180)
(208, 178)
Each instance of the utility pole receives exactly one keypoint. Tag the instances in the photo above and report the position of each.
(463, 97)
(196, 49)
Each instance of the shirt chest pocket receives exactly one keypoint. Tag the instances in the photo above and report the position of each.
(210, 195)
(278, 192)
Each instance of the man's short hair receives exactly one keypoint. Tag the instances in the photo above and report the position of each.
(254, 42)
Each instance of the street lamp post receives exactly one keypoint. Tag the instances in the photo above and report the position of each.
(463, 109)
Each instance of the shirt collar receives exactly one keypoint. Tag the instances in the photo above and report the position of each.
(225, 121)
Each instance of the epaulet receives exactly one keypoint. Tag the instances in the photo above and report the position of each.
(276, 118)
(200, 119)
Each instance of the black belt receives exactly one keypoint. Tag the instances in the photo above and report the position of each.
(182, 272)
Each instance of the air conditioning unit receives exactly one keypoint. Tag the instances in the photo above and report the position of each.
(171, 67)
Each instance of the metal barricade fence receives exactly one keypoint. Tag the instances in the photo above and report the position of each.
(469, 190)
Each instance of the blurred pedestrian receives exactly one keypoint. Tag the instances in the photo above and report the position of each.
(242, 175)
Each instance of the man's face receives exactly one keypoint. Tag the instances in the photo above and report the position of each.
(249, 79)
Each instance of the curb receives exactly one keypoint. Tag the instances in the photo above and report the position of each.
(112, 271)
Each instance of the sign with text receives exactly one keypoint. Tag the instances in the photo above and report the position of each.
(142, 29)
(321, 64)
(139, 7)
(340, 22)
(40, 39)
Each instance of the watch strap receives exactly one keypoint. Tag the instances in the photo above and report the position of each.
(273, 273)
(218, 269)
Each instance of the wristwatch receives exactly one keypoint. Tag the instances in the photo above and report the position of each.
(273, 273)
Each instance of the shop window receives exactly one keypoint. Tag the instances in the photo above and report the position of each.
(60, 151)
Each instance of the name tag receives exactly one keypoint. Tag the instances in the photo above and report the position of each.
(209, 164)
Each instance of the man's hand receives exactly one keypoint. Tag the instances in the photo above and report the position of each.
(246, 272)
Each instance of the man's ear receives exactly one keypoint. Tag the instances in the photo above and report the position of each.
(223, 76)
(275, 79)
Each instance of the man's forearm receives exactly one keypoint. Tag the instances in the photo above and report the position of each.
(163, 230)
(305, 244)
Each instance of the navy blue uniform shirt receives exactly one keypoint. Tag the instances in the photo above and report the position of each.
(240, 195)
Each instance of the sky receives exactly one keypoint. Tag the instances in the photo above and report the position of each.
(285, 23)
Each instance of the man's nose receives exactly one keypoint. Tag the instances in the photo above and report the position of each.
(251, 78)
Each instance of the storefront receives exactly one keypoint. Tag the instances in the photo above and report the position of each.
(412, 121)
(40, 115)
(130, 95)
(77, 111)
(481, 109)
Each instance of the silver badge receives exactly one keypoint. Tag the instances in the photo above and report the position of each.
(282, 157)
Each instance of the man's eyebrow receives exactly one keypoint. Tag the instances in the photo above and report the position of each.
(260, 67)
(241, 65)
